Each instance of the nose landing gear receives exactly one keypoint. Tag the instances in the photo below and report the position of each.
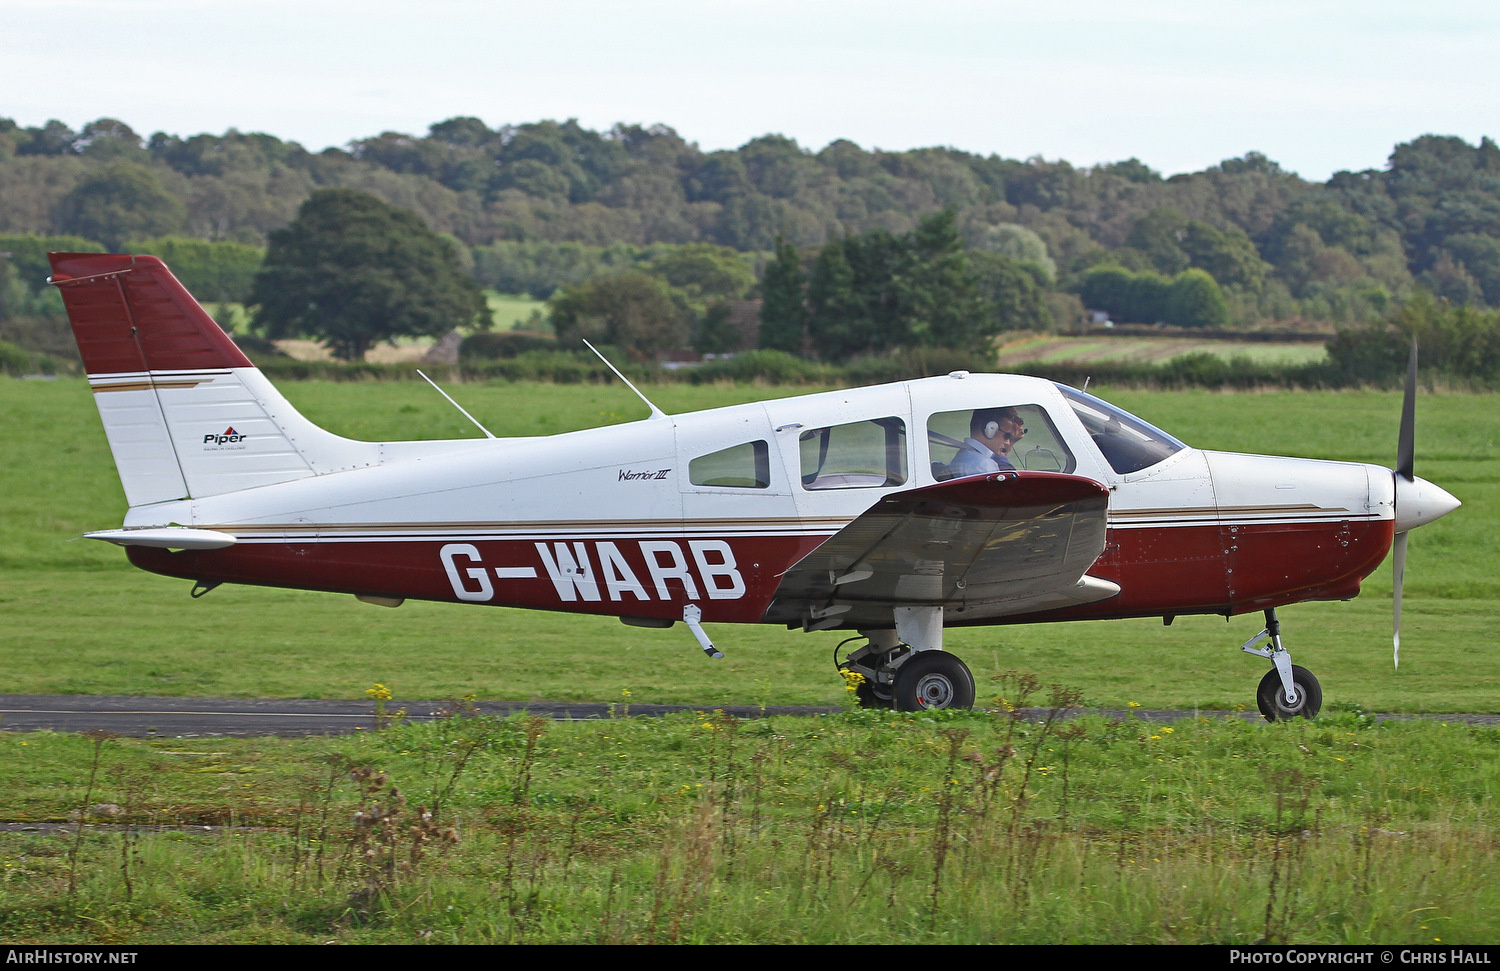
(1288, 690)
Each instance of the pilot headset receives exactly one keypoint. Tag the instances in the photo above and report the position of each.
(991, 429)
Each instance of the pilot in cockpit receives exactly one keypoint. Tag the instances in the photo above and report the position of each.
(992, 433)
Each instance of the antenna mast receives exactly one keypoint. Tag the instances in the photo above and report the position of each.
(456, 405)
(655, 411)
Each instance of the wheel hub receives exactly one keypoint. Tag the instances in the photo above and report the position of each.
(934, 691)
(1299, 698)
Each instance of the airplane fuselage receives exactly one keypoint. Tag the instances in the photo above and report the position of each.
(626, 520)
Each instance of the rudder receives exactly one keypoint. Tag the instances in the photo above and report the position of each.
(129, 314)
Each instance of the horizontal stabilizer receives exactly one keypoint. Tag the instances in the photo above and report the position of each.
(166, 538)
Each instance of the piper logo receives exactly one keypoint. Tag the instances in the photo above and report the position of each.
(229, 438)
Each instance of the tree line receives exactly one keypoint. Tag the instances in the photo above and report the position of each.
(1280, 247)
(638, 238)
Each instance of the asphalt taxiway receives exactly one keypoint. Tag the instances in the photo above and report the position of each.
(189, 717)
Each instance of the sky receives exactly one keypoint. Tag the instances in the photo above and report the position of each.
(1316, 85)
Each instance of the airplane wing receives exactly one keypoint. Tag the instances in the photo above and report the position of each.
(982, 547)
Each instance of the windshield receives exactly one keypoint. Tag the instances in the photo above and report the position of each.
(1128, 443)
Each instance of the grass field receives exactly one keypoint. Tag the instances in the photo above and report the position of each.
(858, 827)
(76, 618)
(510, 311)
(1047, 349)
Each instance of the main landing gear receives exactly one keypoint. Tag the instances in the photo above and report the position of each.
(1288, 690)
(896, 675)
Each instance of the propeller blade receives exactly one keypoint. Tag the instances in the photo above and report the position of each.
(1398, 564)
(1406, 443)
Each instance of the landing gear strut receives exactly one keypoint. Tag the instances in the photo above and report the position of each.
(1288, 690)
(897, 676)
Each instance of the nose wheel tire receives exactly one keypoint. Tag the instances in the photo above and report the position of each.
(932, 681)
(1272, 699)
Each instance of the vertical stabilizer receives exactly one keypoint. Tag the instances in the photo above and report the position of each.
(186, 413)
(130, 315)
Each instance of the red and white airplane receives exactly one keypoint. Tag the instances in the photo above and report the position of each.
(846, 509)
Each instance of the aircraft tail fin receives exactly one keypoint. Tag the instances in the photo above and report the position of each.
(187, 415)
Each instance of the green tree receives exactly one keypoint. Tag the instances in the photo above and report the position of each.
(703, 271)
(122, 202)
(1227, 255)
(54, 138)
(539, 268)
(877, 292)
(26, 256)
(352, 270)
(1451, 280)
(1106, 287)
(836, 320)
(1132, 170)
(941, 303)
(1480, 256)
(783, 315)
(633, 310)
(1018, 243)
(715, 332)
(1455, 339)
(221, 272)
(1131, 297)
(1159, 235)
(1305, 260)
(463, 131)
(878, 262)
(1195, 300)
(1146, 298)
(1334, 224)
(31, 313)
(109, 139)
(1016, 297)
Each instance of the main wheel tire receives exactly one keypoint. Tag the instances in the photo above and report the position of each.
(1272, 699)
(932, 681)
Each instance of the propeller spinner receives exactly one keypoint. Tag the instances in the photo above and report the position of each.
(1417, 501)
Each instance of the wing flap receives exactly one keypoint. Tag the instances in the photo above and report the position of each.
(991, 546)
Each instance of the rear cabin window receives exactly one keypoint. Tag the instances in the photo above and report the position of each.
(1040, 449)
(859, 455)
(746, 466)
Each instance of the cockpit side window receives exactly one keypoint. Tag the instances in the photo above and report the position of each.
(859, 455)
(1029, 442)
(1127, 443)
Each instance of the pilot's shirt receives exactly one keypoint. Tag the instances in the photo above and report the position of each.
(976, 458)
